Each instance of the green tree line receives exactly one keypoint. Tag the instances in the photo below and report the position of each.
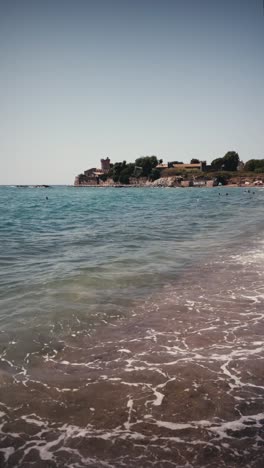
(144, 166)
(255, 165)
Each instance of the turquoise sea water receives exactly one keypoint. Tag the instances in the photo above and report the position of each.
(92, 251)
(86, 260)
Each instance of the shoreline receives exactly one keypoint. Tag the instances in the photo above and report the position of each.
(176, 187)
(139, 325)
(183, 372)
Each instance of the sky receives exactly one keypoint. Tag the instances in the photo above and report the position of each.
(85, 79)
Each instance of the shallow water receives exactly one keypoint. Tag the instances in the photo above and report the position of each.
(131, 327)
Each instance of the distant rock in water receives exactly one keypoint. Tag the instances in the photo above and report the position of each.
(33, 186)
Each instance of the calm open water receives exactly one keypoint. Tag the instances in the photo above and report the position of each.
(131, 327)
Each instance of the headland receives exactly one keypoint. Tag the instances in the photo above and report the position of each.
(149, 171)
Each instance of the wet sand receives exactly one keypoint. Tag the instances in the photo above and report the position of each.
(180, 383)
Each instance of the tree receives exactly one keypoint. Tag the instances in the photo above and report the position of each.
(103, 177)
(195, 161)
(230, 161)
(121, 172)
(250, 165)
(116, 170)
(217, 164)
(155, 174)
(259, 170)
(126, 173)
(254, 165)
(147, 163)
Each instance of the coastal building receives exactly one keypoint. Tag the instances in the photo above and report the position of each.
(188, 167)
(91, 176)
(105, 165)
(200, 166)
(90, 172)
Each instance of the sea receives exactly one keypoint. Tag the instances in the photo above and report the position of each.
(131, 327)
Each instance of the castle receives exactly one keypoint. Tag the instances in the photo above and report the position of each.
(91, 176)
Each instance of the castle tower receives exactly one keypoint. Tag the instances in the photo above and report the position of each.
(105, 165)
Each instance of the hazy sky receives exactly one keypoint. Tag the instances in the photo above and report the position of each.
(85, 79)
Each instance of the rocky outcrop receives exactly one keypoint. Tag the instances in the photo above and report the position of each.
(82, 180)
(166, 182)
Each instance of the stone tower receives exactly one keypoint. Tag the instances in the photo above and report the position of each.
(105, 165)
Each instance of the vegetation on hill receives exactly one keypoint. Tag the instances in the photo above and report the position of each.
(255, 165)
(222, 169)
(173, 172)
(142, 167)
(228, 163)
